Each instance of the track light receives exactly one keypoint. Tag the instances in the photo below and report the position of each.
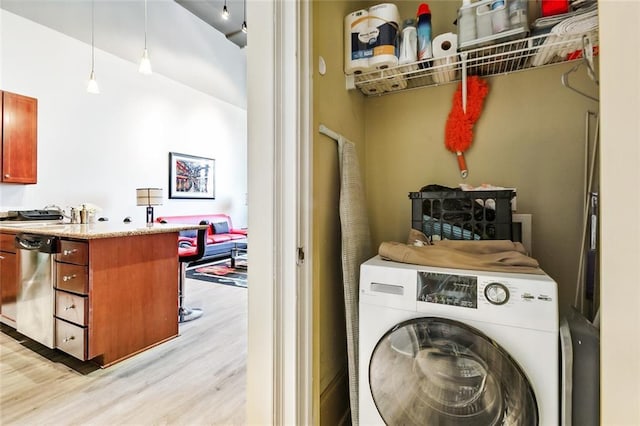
(92, 86)
(225, 11)
(145, 63)
(244, 16)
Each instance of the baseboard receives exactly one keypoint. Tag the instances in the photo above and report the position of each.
(334, 401)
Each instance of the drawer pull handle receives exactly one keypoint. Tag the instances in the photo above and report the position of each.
(69, 307)
(7, 176)
(1, 257)
(68, 252)
(68, 277)
(68, 339)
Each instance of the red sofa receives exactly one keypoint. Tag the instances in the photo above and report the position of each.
(221, 235)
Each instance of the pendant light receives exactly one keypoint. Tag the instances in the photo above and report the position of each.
(225, 11)
(145, 63)
(92, 87)
(244, 16)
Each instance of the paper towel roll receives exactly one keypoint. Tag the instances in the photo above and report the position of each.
(384, 23)
(393, 80)
(356, 48)
(373, 88)
(445, 45)
(396, 83)
(445, 54)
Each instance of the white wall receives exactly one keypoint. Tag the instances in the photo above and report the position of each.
(99, 148)
(175, 36)
(620, 160)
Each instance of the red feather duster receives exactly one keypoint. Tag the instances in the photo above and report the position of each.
(458, 132)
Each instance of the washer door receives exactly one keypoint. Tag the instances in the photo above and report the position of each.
(434, 371)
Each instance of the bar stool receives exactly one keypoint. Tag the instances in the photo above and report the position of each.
(185, 256)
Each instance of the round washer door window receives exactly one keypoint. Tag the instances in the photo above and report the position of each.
(434, 371)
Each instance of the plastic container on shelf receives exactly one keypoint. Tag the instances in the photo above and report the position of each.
(518, 14)
(409, 44)
(493, 22)
(499, 17)
(553, 7)
(466, 23)
(483, 21)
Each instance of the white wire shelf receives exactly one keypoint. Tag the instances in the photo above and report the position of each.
(497, 59)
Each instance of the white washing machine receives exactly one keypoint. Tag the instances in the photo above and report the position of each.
(457, 347)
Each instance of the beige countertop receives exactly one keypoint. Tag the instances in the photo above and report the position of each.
(95, 230)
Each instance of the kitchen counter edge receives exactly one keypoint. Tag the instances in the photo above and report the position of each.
(97, 230)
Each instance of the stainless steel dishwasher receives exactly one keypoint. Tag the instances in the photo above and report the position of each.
(36, 299)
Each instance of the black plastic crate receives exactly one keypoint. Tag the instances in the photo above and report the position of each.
(463, 215)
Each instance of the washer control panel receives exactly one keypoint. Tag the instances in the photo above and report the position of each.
(448, 289)
(509, 291)
(496, 293)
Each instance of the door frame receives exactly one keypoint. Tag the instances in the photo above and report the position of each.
(615, 376)
(279, 355)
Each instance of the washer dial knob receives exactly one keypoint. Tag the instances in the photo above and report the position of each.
(496, 293)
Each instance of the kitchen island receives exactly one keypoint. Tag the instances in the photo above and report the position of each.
(115, 286)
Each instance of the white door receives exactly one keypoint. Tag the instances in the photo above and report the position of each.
(279, 360)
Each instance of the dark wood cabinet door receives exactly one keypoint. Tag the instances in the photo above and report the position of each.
(19, 138)
(8, 285)
(8, 278)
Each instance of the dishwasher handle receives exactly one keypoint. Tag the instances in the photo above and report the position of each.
(41, 243)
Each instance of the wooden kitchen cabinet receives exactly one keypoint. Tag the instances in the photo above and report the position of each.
(72, 298)
(114, 287)
(19, 131)
(115, 297)
(8, 279)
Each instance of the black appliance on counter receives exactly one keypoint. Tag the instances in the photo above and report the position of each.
(29, 215)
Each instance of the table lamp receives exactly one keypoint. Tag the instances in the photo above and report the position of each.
(149, 197)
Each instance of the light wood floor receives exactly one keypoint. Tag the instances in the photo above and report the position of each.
(197, 378)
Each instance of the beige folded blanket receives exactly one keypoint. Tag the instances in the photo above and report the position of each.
(483, 255)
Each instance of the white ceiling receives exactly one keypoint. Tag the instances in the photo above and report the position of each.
(181, 45)
(210, 11)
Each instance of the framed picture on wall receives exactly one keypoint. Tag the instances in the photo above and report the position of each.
(191, 176)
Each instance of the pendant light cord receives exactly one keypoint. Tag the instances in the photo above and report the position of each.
(145, 63)
(92, 36)
(145, 24)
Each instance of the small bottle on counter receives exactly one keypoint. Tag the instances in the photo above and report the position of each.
(424, 32)
(84, 214)
(75, 215)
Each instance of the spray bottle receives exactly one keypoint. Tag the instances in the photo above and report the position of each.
(424, 32)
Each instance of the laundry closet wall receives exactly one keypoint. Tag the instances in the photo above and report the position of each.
(342, 111)
(530, 136)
